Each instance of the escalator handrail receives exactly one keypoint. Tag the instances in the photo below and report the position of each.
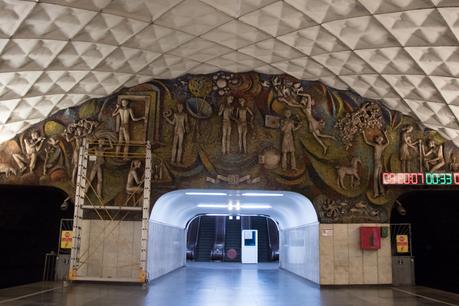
(270, 247)
(219, 239)
(197, 233)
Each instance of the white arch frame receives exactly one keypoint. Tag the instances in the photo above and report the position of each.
(295, 214)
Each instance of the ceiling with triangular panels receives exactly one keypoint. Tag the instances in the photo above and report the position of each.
(55, 54)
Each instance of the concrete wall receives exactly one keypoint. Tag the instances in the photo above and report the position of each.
(166, 249)
(110, 249)
(299, 251)
(342, 262)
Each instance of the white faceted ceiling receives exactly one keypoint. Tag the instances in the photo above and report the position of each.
(55, 54)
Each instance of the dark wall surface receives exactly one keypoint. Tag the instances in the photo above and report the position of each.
(434, 217)
(29, 228)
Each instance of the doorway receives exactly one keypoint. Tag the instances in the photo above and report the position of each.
(29, 228)
(294, 215)
(433, 216)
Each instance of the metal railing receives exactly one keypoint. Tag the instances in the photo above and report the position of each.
(49, 269)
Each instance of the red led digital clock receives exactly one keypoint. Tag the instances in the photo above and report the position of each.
(419, 178)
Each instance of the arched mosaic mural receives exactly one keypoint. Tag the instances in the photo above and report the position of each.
(235, 130)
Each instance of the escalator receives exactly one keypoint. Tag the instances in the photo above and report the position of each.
(260, 224)
(192, 238)
(206, 238)
(218, 250)
(273, 239)
(233, 241)
(211, 238)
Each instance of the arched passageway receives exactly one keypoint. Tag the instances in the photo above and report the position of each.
(433, 216)
(294, 214)
(29, 228)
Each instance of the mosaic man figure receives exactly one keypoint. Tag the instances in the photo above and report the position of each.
(124, 114)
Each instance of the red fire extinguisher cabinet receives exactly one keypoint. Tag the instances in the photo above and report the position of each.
(370, 238)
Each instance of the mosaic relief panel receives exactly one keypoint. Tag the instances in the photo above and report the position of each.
(240, 131)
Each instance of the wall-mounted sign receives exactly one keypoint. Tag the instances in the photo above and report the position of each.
(419, 178)
(66, 239)
(402, 243)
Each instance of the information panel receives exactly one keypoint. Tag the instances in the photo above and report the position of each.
(66, 239)
(419, 178)
(402, 243)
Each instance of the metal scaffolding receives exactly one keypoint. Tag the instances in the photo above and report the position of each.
(112, 215)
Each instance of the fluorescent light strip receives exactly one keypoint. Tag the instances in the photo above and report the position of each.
(255, 206)
(259, 194)
(212, 205)
(237, 207)
(207, 193)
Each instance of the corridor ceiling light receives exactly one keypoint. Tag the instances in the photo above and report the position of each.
(255, 206)
(207, 193)
(260, 194)
(238, 206)
(212, 205)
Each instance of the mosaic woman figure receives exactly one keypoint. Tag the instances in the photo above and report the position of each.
(226, 111)
(288, 145)
(379, 145)
(406, 143)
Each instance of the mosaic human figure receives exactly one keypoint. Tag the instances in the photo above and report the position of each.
(434, 159)
(32, 146)
(96, 170)
(379, 145)
(74, 135)
(226, 112)
(124, 114)
(242, 113)
(287, 91)
(180, 122)
(315, 126)
(134, 183)
(54, 157)
(406, 143)
(288, 126)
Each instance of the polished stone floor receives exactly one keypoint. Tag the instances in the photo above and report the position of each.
(202, 284)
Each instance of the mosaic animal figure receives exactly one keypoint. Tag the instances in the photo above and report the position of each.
(352, 171)
(7, 169)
